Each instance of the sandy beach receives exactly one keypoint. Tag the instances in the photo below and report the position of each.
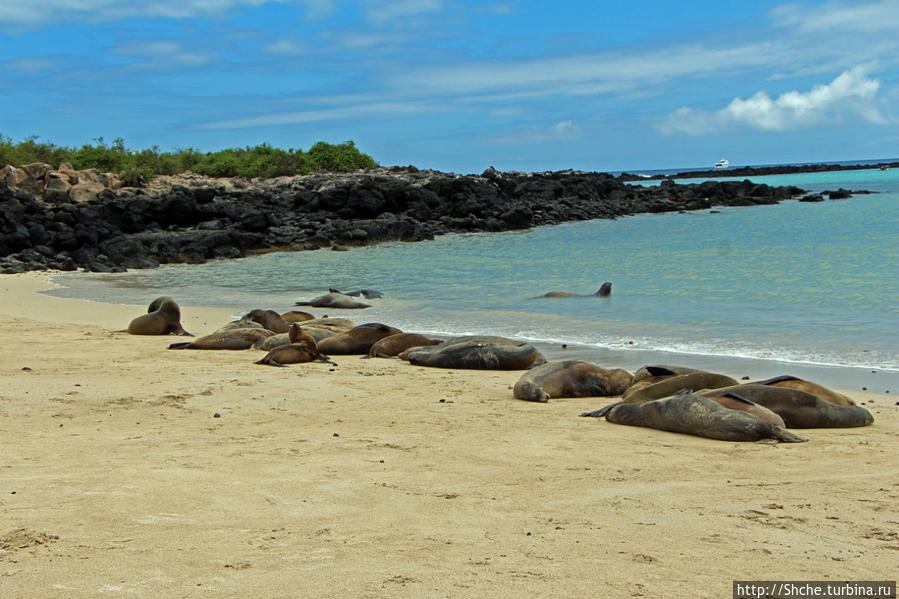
(133, 471)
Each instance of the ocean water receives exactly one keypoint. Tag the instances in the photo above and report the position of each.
(808, 289)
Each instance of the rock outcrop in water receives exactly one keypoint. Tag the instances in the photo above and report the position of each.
(190, 218)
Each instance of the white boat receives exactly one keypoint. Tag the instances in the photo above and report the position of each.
(723, 163)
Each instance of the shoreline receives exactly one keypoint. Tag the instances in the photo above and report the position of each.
(132, 470)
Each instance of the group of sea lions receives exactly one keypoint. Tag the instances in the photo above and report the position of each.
(670, 398)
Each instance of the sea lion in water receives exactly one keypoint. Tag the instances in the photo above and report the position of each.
(799, 409)
(693, 381)
(366, 293)
(357, 340)
(394, 345)
(163, 319)
(302, 348)
(269, 319)
(791, 382)
(605, 290)
(481, 352)
(695, 415)
(334, 300)
(233, 339)
(571, 378)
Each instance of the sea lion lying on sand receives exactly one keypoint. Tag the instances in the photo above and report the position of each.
(571, 378)
(482, 352)
(357, 340)
(394, 345)
(791, 382)
(302, 348)
(233, 339)
(695, 415)
(269, 319)
(799, 409)
(651, 388)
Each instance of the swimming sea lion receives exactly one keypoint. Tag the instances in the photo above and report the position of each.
(693, 381)
(392, 346)
(366, 293)
(791, 382)
(233, 339)
(482, 352)
(357, 340)
(296, 316)
(695, 415)
(269, 319)
(164, 319)
(605, 290)
(799, 409)
(334, 300)
(570, 378)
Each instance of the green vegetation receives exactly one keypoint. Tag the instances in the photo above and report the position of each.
(136, 166)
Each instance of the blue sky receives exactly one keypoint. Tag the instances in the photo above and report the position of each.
(459, 86)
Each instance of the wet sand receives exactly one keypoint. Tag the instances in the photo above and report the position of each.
(131, 470)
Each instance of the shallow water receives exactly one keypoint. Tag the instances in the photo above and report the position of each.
(801, 288)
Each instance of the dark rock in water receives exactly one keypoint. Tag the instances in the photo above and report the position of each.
(192, 219)
(812, 197)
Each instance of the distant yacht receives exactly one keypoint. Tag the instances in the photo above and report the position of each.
(723, 163)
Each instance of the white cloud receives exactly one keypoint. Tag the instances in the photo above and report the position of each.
(28, 65)
(561, 131)
(852, 92)
(162, 51)
(286, 47)
(855, 17)
(381, 12)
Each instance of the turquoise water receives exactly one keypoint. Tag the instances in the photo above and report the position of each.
(802, 288)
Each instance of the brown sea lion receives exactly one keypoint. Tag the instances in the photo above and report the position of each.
(570, 378)
(791, 382)
(394, 345)
(164, 319)
(233, 339)
(693, 381)
(733, 401)
(269, 319)
(482, 352)
(243, 323)
(605, 290)
(693, 414)
(799, 409)
(336, 324)
(660, 370)
(334, 300)
(296, 316)
(284, 338)
(357, 340)
(302, 348)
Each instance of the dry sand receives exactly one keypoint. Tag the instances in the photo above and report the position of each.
(382, 479)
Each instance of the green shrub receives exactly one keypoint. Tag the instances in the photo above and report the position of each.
(141, 165)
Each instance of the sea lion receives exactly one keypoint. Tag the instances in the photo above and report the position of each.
(366, 293)
(269, 319)
(791, 382)
(163, 319)
(233, 339)
(695, 415)
(481, 352)
(284, 338)
(392, 346)
(243, 323)
(605, 290)
(570, 378)
(302, 348)
(339, 325)
(658, 370)
(357, 340)
(296, 316)
(799, 409)
(733, 401)
(669, 385)
(334, 300)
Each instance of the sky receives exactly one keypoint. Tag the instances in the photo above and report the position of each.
(458, 85)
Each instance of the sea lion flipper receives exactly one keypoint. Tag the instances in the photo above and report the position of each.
(785, 436)
(601, 411)
(303, 304)
(181, 345)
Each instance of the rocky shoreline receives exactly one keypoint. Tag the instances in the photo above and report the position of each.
(191, 218)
